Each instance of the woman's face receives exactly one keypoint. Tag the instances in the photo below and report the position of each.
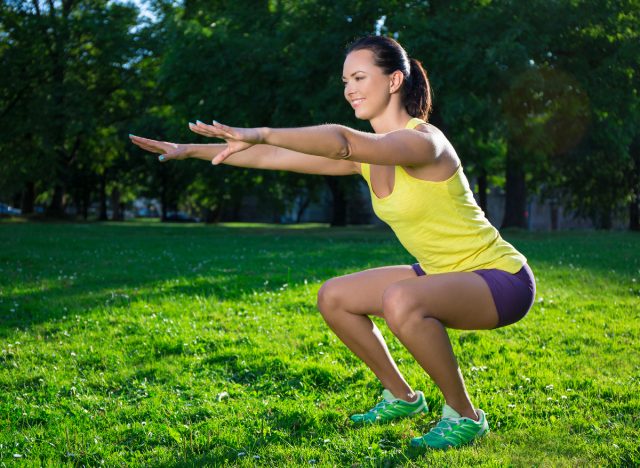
(366, 87)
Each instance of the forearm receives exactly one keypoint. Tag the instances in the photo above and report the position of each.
(329, 141)
(273, 158)
(252, 157)
(205, 152)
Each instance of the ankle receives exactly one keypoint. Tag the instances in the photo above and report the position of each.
(467, 412)
(409, 397)
(475, 416)
(472, 414)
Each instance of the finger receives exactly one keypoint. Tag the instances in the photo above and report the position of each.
(195, 129)
(150, 145)
(201, 130)
(144, 146)
(222, 155)
(169, 156)
(212, 131)
(138, 139)
(224, 129)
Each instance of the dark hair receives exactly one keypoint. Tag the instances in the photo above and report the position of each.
(390, 56)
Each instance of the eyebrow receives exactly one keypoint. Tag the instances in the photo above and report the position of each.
(357, 71)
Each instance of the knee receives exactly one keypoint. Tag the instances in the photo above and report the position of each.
(401, 311)
(329, 298)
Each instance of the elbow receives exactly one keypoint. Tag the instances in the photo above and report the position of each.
(344, 148)
(344, 152)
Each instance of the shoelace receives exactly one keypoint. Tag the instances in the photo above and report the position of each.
(379, 407)
(445, 423)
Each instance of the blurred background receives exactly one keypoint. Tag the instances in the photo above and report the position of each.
(540, 98)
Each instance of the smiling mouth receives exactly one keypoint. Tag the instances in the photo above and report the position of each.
(357, 102)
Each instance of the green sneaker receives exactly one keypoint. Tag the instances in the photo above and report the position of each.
(391, 408)
(453, 430)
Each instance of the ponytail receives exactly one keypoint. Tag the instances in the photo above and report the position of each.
(417, 91)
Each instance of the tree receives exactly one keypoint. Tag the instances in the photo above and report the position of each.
(69, 60)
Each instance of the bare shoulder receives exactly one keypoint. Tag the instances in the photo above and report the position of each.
(431, 130)
(443, 146)
(446, 159)
(427, 128)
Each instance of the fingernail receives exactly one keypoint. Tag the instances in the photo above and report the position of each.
(215, 122)
(161, 158)
(131, 134)
(191, 123)
(199, 122)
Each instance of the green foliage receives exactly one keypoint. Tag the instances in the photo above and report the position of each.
(150, 344)
(556, 81)
(549, 89)
(68, 85)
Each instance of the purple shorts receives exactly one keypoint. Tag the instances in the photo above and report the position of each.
(513, 293)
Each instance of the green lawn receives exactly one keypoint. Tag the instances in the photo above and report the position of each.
(172, 345)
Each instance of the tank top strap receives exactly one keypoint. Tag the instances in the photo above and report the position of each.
(414, 122)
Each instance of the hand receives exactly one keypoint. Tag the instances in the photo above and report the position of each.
(237, 139)
(167, 150)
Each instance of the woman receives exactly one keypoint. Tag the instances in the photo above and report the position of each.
(467, 276)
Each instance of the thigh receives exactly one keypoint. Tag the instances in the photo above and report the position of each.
(458, 300)
(361, 293)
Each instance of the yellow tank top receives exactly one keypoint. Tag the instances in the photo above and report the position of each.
(441, 224)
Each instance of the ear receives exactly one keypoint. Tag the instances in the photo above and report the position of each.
(395, 81)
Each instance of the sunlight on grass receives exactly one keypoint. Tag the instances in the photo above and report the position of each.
(142, 343)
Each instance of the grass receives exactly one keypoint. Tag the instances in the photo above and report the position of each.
(188, 345)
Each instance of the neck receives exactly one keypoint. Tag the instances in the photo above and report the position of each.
(390, 120)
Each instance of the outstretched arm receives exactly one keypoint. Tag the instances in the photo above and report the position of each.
(275, 158)
(258, 157)
(401, 147)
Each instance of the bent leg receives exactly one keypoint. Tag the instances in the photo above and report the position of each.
(346, 301)
(417, 311)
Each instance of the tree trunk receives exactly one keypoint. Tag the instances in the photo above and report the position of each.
(102, 216)
(634, 204)
(236, 209)
(604, 220)
(56, 207)
(17, 199)
(86, 201)
(634, 212)
(515, 206)
(304, 204)
(58, 122)
(28, 198)
(482, 191)
(163, 194)
(116, 214)
(554, 215)
(339, 205)
(211, 215)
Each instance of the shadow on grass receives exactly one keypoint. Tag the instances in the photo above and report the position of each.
(236, 453)
(53, 270)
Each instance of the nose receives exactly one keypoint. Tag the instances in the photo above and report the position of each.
(349, 89)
